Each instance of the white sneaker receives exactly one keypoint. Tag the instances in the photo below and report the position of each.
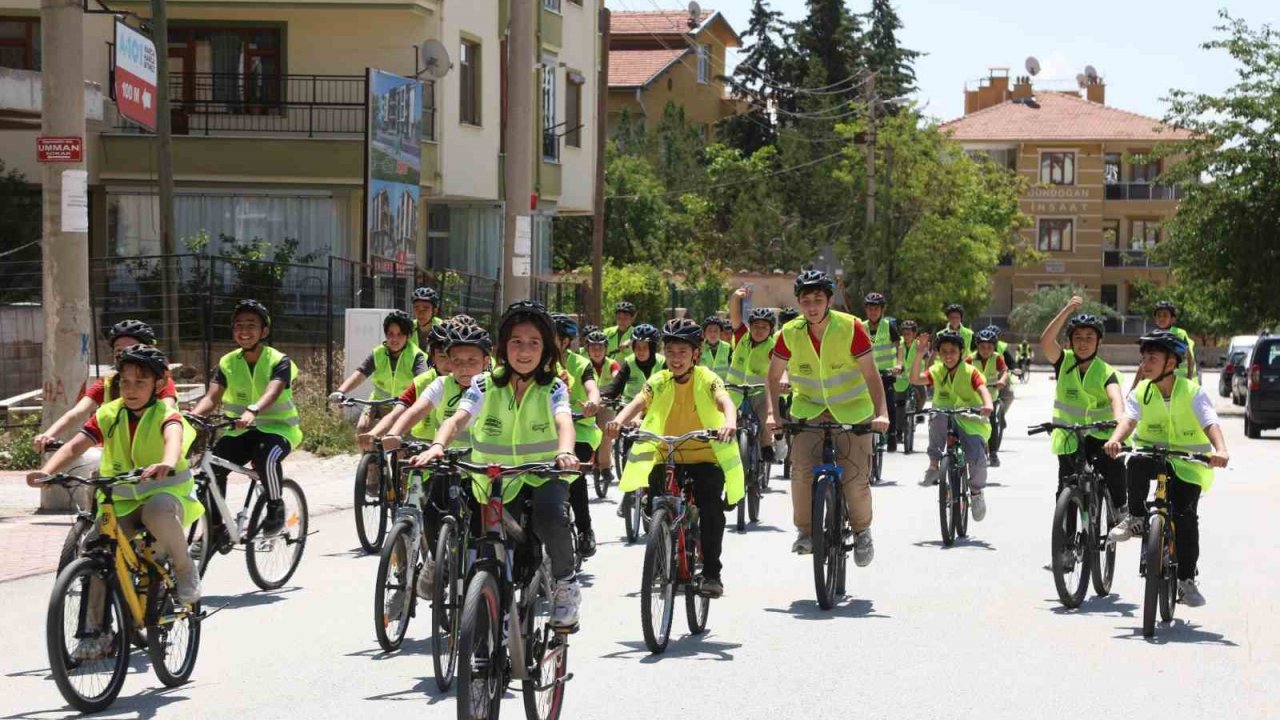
(978, 505)
(803, 545)
(1190, 593)
(931, 477)
(864, 550)
(95, 647)
(566, 598)
(1127, 528)
(426, 584)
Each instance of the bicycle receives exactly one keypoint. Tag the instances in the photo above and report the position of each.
(1158, 563)
(673, 553)
(598, 478)
(1078, 542)
(73, 544)
(1024, 369)
(271, 561)
(997, 422)
(506, 632)
(953, 488)
(372, 511)
(754, 467)
(829, 530)
(399, 560)
(908, 413)
(126, 582)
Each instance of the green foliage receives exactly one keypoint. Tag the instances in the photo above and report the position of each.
(1031, 316)
(885, 55)
(16, 452)
(325, 430)
(641, 284)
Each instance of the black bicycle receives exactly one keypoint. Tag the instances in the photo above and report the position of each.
(598, 478)
(997, 420)
(1078, 542)
(953, 486)
(754, 467)
(908, 417)
(829, 528)
(374, 488)
(402, 556)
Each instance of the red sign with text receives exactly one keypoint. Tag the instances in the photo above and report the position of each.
(68, 149)
(135, 76)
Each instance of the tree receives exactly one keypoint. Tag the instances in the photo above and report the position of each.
(883, 53)
(1221, 247)
(1031, 316)
(756, 80)
(830, 38)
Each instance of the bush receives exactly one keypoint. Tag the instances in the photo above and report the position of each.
(325, 430)
(1031, 316)
(638, 283)
(16, 452)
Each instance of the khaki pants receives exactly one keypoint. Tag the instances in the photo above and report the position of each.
(853, 455)
(162, 515)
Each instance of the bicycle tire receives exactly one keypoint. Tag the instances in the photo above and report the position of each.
(1104, 556)
(997, 426)
(960, 500)
(877, 459)
(200, 538)
(1153, 568)
(753, 504)
(74, 579)
(73, 544)
(908, 424)
(826, 548)
(158, 645)
(659, 565)
(600, 480)
(945, 517)
(445, 608)
(635, 520)
(396, 572)
(1070, 535)
(748, 472)
(545, 650)
(293, 538)
(480, 689)
(1169, 578)
(371, 513)
(696, 605)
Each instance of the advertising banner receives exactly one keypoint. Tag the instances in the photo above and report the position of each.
(393, 162)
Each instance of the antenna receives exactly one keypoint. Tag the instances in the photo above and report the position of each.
(695, 14)
(435, 59)
(1091, 73)
(1082, 80)
(1033, 66)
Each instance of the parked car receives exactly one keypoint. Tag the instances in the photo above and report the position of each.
(1262, 404)
(1238, 343)
(1234, 360)
(1240, 382)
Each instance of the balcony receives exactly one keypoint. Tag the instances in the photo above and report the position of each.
(1142, 191)
(1130, 259)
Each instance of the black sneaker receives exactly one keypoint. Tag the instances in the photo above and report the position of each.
(710, 587)
(608, 474)
(893, 444)
(273, 522)
(587, 543)
(993, 460)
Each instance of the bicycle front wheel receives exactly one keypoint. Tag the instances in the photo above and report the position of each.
(446, 604)
(87, 636)
(272, 561)
(394, 592)
(1069, 545)
(546, 651)
(371, 512)
(173, 642)
(1153, 566)
(634, 517)
(960, 500)
(1104, 556)
(601, 480)
(826, 521)
(481, 676)
(908, 424)
(696, 605)
(946, 519)
(1169, 584)
(657, 583)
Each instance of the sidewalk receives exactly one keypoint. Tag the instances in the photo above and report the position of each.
(30, 540)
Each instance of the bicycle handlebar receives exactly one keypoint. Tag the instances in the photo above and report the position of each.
(67, 480)
(350, 401)
(207, 424)
(748, 389)
(857, 429)
(958, 412)
(1157, 453)
(495, 470)
(1078, 429)
(673, 440)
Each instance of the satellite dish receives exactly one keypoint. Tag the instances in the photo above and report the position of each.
(1090, 73)
(1082, 80)
(435, 58)
(695, 11)
(1033, 66)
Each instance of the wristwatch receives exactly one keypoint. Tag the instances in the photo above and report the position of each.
(254, 409)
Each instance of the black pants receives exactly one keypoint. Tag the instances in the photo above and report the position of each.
(1184, 499)
(1112, 471)
(264, 450)
(579, 499)
(549, 523)
(438, 505)
(708, 494)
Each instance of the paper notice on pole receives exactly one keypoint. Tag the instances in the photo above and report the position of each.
(75, 201)
(522, 253)
(521, 266)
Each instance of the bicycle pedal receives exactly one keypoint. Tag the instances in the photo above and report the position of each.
(566, 630)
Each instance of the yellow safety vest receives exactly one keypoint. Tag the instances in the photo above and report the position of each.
(716, 358)
(750, 364)
(588, 431)
(636, 377)
(389, 383)
(616, 338)
(990, 367)
(832, 382)
(510, 433)
(948, 394)
(448, 407)
(903, 383)
(244, 389)
(883, 349)
(414, 342)
(1174, 426)
(1080, 402)
(425, 429)
(122, 453)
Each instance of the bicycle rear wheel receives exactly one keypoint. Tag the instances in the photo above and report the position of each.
(546, 651)
(657, 583)
(1070, 547)
(90, 683)
(174, 642)
(1104, 556)
(1153, 567)
(272, 561)
(696, 605)
(200, 538)
(877, 458)
(481, 662)
(908, 423)
(393, 592)
(371, 512)
(600, 480)
(946, 518)
(746, 451)
(446, 604)
(74, 542)
(825, 532)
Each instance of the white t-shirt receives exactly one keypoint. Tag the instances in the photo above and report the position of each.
(473, 399)
(1200, 403)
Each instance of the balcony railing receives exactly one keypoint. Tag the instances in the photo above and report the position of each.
(228, 103)
(1130, 259)
(1129, 325)
(1142, 191)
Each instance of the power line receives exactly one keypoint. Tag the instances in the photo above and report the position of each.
(772, 173)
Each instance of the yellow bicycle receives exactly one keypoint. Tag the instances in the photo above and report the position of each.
(119, 592)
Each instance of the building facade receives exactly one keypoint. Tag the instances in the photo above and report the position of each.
(1096, 213)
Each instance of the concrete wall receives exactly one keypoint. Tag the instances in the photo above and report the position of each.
(580, 54)
(469, 153)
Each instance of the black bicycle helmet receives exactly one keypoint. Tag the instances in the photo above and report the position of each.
(438, 336)
(1164, 340)
(711, 320)
(398, 317)
(464, 319)
(529, 311)
(427, 294)
(1165, 305)
(787, 314)
(994, 329)
(953, 307)
(148, 356)
(596, 337)
(874, 298)
(761, 313)
(625, 307)
(1084, 320)
(644, 332)
(908, 325)
(135, 329)
(565, 325)
(949, 336)
(461, 335)
(725, 325)
(682, 330)
(985, 336)
(814, 280)
(254, 307)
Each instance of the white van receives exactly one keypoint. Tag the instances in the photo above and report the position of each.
(1241, 342)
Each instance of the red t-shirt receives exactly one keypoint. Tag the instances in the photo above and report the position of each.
(409, 396)
(976, 379)
(861, 342)
(1001, 365)
(93, 431)
(97, 392)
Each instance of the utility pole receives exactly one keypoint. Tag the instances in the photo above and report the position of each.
(869, 92)
(164, 166)
(596, 311)
(517, 250)
(65, 241)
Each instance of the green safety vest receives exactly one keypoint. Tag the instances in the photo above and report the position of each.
(1001, 347)
(636, 377)
(1174, 426)
(244, 389)
(1079, 402)
(883, 349)
(122, 453)
(989, 369)
(948, 394)
(1024, 349)
(832, 382)
(966, 333)
(716, 358)
(643, 455)
(903, 383)
(750, 365)
(447, 408)
(587, 430)
(1185, 366)
(388, 382)
(604, 373)
(425, 429)
(510, 433)
(616, 338)
(414, 342)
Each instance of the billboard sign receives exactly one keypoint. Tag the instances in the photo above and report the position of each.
(135, 76)
(393, 168)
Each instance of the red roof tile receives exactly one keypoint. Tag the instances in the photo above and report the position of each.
(1059, 117)
(635, 68)
(661, 22)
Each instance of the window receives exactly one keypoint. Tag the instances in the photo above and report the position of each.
(552, 5)
(226, 68)
(20, 43)
(1111, 169)
(1143, 234)
(704, 63)
(1145, 173)
(1005, 158)
(1110, 234)
(1056, 234)
(550, 139)
(429, 110)
(573, 112)
(1111, 296)
(1058, 168)
(469, 80)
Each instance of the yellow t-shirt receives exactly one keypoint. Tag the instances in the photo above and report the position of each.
(684, 418)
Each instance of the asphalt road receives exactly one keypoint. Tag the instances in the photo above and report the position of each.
(974, 631)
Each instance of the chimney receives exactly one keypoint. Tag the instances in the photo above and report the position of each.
(1096, 91)
(1022, 88)
(992, 90)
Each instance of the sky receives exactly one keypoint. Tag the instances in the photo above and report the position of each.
(1142, 48)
